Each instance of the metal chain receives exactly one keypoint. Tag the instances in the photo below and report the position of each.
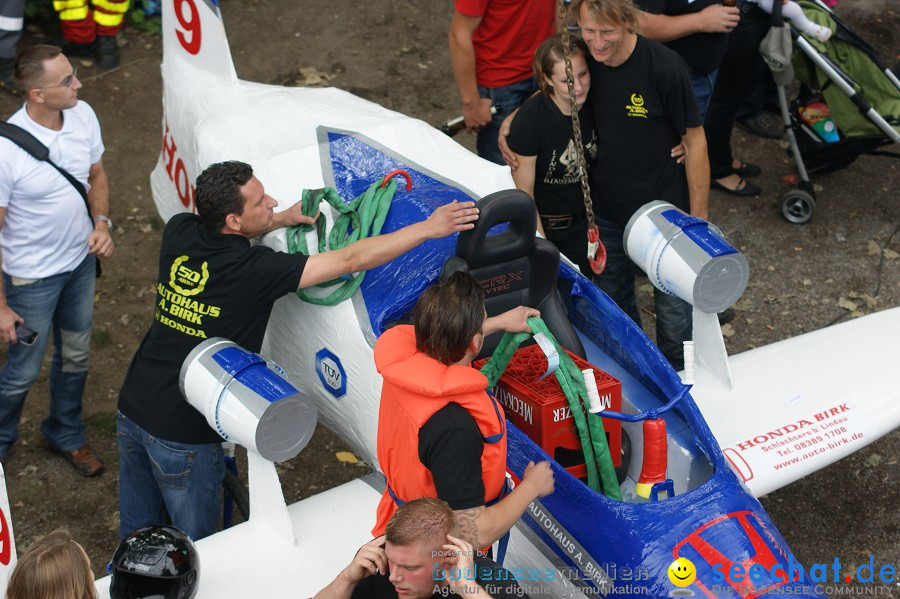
(576, 122)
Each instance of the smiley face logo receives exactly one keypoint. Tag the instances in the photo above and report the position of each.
(637, 99)
(682, 572)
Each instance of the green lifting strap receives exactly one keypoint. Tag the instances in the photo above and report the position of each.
(363, 217)
(590, 426)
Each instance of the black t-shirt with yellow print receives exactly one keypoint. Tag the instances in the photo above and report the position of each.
(209, 285)
(641, 109)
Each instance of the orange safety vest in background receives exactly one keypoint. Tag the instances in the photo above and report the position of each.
(415, 387)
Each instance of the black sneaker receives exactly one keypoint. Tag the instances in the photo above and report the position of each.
(726, 315)
(107, 52)
(763, 125)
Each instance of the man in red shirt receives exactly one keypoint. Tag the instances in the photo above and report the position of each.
(492, 44)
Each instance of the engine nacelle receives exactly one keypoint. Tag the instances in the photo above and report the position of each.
(246, 399)
(686, 256)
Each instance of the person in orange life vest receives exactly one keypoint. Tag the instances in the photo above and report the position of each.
(440, 433)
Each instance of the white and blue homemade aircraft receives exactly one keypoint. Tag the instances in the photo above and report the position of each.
(751, 423)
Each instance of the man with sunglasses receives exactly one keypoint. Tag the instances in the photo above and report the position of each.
(50, 243)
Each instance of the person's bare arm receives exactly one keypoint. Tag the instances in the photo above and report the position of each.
(481, 525)
(369, 560)
(476, 110)
(291, 217)
(509, 156)
(375, 251)
(461, 557)
(8, 318)
(523, 176)
(512, 321)
(712, 19)
(696, 162)
(100, 241)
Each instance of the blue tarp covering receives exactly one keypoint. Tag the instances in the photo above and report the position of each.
(355, 165)
(718, 522)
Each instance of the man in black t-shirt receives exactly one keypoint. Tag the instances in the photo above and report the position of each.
(643, 106)
(698, 31)
(211, 283)
(421, 556)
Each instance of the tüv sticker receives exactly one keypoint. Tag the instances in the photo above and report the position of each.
(331, 373)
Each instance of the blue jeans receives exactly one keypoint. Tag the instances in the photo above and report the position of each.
(167, 482)
(703, 84)
(64, 305)
(507, 98)
(674, 316)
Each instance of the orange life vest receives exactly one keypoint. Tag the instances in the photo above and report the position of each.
(415, 387)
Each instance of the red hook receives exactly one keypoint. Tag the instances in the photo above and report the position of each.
(596, 254)
(392, 174)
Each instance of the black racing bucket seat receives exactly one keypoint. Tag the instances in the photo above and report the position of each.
(515, 268)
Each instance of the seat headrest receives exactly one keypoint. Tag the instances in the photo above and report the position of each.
(511, 206)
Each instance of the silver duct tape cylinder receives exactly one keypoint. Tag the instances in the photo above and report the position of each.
(247, 399)
(686, 256)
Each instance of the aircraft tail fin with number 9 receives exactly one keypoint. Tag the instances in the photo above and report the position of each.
(199, 41)
(197, 73)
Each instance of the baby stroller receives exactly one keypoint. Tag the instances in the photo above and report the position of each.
(849, 104)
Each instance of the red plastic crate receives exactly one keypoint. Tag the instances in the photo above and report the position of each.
(541, 410)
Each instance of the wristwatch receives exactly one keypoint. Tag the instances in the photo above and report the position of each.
(105, 219)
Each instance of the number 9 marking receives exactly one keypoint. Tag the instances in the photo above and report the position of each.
(191, 25)
(5, 547)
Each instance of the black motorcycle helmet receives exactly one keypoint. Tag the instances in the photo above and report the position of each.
(156, 561)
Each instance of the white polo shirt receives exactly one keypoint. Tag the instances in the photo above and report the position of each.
(47, 224)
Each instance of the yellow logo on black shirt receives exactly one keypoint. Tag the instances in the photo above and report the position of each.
(636, 108)
(196, 281)
(176, 307)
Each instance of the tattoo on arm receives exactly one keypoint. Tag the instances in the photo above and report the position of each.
(468, 528)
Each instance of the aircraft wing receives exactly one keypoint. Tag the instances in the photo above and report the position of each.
(803, 403)
(252, 560)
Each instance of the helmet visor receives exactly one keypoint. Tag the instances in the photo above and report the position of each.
(125, 585)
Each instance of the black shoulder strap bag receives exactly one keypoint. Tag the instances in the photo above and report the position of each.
(33, 146)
